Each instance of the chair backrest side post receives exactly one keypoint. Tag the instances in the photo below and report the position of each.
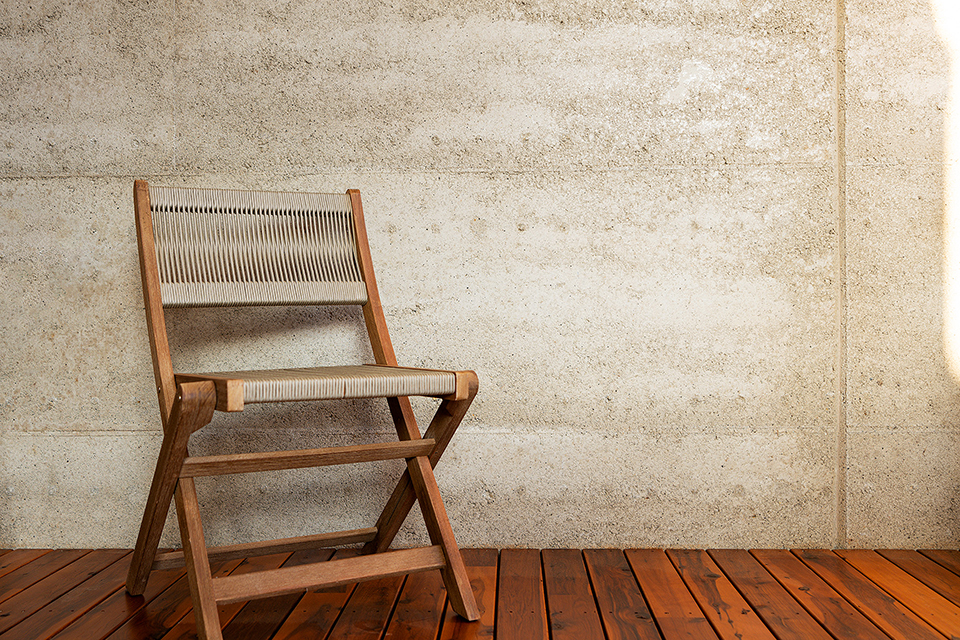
(373, 309)
(153, 305)
(400, 408)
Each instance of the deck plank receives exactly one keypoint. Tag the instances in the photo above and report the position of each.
(570, 602)
(56, 613)
(671, 603)
(113, 612)
(623, 610)
(262, 618)
(938, 612)
(367, 613)
(780, 612)
(521, 607)
(731, 616)
(482, 567)
(827, 606)
(946, 558)
(165, 610)
(890, 616)
(29, 574)
(186, 628)
(932, 574)
(317, 611)
(560, 594)
(419, 611)
(38, 595)
(16, 558)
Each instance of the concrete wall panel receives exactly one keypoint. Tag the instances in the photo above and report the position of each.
(759, 487)
(86, 88)
(477, 87)
(898, 76)
(903, 487)
(72, 312)
(898, 368)
(902, 397)
(679, 489)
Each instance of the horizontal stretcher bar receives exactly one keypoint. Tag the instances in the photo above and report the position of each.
(276, 582)
(301, 458)
(174, 559)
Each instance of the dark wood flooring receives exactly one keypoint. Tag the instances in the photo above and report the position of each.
(524, 595)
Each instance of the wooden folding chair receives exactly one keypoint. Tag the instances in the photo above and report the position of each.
(204, 247)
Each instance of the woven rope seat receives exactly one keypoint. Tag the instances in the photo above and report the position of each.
(337, 383)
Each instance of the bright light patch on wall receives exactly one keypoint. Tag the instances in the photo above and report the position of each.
(947, 14)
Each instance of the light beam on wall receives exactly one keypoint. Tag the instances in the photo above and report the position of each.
(947, 15)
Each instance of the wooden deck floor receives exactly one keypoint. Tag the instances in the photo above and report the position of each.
(524, 595)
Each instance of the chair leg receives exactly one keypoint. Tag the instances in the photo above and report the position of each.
(418, 483)
(441, 533)
(444, 424)
(198, 564)
(192, 409)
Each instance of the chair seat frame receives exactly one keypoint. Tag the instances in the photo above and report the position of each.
(188, 403)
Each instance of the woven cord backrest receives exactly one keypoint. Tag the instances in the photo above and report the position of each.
(219, 247)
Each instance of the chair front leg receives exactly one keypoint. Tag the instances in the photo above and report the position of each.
(455, 575)
(449, 415)
(192, 409)
(197, 561)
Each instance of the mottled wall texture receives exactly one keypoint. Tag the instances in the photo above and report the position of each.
(696, 251)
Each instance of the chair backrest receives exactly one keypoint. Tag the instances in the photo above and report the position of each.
(224, 248)
(211, 247)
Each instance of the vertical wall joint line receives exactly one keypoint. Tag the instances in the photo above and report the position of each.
(840, 394)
